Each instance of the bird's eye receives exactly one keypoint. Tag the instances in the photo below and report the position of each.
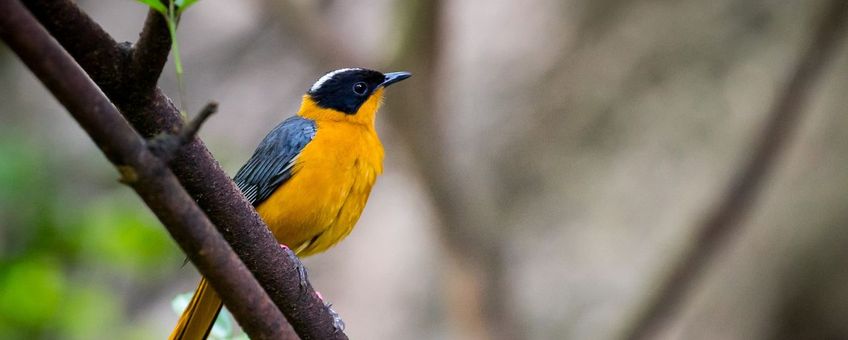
(360, 88)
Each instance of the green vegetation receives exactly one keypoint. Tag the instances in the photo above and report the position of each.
(71, 239)
(172, 17)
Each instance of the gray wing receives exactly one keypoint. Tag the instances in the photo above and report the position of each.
(271, 163)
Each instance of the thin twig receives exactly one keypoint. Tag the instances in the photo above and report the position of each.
(198, 172)
(190, 130)
(150, 177)
(166, 145)
(737, 201)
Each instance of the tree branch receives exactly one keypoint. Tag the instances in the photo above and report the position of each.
(150, 53)
(198, 172)
(106, 62)
(737, 201)
(142, 170)
(166, 145)
(65, 21)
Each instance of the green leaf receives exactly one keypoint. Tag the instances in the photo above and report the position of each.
(156, 5)
(182, 5)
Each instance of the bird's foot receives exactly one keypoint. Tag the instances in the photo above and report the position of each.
(338, 323)
(301, 270)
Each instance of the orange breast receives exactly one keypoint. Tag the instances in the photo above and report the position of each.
(333, 175)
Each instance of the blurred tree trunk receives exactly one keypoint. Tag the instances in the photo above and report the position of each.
(477, 292)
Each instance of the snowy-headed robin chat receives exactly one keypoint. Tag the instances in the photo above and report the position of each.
(311, 175)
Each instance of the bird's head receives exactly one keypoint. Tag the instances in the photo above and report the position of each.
(348, 94)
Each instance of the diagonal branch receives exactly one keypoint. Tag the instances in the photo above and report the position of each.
(737, 201)
(193, 165)
(65, 21)
(106, 61)
(143, 171)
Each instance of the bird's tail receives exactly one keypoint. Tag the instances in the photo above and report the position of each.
(198, 318)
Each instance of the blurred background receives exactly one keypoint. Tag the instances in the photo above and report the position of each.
(545, 167)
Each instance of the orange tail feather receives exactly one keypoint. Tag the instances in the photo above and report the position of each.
(198, 318)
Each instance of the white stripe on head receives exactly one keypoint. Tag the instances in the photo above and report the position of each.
(329, 76)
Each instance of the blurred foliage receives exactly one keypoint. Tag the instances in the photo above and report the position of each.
(64, 258)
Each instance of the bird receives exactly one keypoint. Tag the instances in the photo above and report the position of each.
(310, 177)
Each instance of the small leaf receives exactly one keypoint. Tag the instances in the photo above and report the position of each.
(182, 5)
(156, 5)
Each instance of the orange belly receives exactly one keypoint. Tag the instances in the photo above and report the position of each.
(333, 175)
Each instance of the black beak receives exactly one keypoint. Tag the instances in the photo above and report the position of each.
(394, 77)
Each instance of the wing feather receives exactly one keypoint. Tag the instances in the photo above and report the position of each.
(272, 163)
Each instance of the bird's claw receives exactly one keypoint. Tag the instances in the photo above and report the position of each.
(301, 270)
(338, 323)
